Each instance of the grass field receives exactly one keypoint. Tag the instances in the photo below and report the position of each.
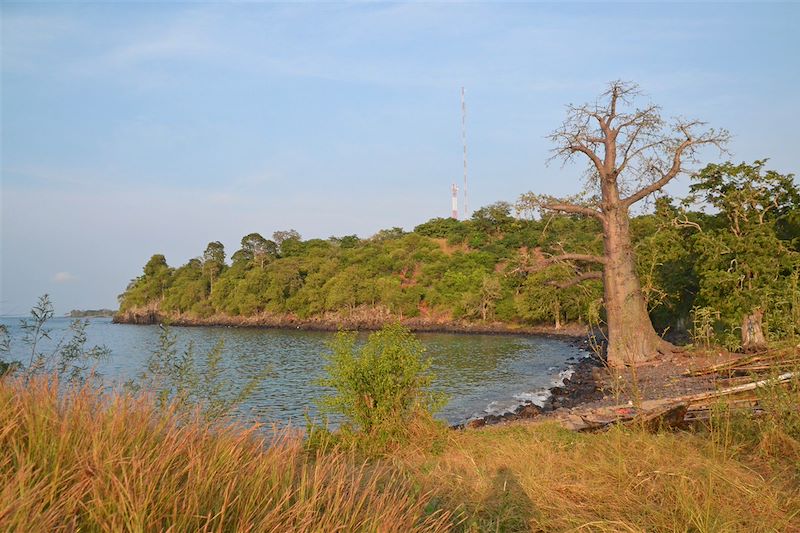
(92, 462)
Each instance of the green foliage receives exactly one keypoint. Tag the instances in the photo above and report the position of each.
(149, 287)
(70, 359)
(178, 377)
(741, 255)
(665, 261)
(439, 228)
(494, 219)
(742, 263)
(540, 298)
(704, 321)
(379, 388)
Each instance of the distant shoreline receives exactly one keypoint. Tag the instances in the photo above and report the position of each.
(91, 313)
(576, 332)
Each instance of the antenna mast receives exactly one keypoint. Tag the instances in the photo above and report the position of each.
(464, 142)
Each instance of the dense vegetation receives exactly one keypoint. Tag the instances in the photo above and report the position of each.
(703, 261)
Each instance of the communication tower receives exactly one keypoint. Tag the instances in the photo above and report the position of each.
(454, 204)
(464, 142)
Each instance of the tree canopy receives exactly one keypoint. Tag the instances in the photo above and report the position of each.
(493, 267)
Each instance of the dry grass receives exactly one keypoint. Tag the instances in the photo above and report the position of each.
(528, 477)
(83, 461)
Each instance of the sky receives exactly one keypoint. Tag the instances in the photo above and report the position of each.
(130, 129)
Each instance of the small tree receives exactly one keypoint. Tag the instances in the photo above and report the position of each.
(213, 262)
(380, 387)
(632, 153)
(68, 359)
(258, 249)
(283, 237)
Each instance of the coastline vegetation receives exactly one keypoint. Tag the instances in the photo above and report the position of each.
(88, 460)
(720, 267)
(166, 454)
(705, 262)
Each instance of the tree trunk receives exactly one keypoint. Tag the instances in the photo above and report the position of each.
(557, 312)
(752, 333)
(631, 336)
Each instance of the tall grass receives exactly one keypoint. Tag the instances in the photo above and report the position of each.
(84, 461)
(543, 478)
(81, 460)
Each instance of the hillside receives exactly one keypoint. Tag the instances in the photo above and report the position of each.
(488, 273)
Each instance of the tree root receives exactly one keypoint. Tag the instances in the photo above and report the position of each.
(666, 348)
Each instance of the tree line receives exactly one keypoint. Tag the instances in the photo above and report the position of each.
(704, 261)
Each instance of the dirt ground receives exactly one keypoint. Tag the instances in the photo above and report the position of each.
(661, 379)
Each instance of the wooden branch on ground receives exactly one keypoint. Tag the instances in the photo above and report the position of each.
(666, 412)
(736, 364)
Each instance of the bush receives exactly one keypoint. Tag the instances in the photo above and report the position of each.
(381, 388)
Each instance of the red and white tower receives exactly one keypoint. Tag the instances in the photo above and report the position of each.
(454, 205)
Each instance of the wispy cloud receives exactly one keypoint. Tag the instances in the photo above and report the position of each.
(185, 37)
(64, 277)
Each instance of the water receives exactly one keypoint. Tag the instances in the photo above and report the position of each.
(481, 374)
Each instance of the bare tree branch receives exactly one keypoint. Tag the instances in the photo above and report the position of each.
(574, 209)
(580, 278)
(685, 150)
(587, 258)
(575, 205)
(576, 146)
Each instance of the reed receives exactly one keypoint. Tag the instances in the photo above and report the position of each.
(84, 460)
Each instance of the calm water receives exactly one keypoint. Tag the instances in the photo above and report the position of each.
(480, 373)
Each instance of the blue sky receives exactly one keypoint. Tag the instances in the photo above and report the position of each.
(133, 129)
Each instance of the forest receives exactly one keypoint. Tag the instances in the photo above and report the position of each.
(729, 248)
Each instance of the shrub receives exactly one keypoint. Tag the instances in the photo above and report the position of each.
(182, 379)
(381, 388)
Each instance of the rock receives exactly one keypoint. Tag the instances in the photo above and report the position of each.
(476, 423)
(529, 411)
(492, 419)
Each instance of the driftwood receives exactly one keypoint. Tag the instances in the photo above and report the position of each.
(669, 412)
(771, 360)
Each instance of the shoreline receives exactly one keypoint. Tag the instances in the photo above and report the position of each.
(575, 332)
(577, 389)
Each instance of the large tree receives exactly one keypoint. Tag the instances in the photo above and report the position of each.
(632, 152)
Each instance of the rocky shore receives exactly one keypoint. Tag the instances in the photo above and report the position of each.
(352, 322)
(580, 388)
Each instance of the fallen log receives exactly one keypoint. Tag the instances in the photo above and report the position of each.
(783, 378)
(730, 365)
(744, 361)
(666, 412)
